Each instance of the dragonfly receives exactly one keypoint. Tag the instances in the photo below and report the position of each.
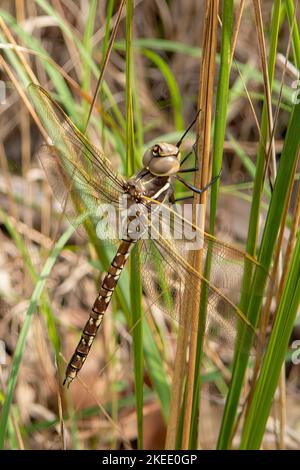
(83, 178)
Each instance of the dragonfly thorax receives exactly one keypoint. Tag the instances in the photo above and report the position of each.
(135, 188)
(162, 159)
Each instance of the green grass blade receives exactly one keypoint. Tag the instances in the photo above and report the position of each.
(156, 370)
(219, 136)
(272, 225)
(18, 355)
(88, 46)
(137, 337)
(257, 416)
(232, 401)
(56, 78)
(172, 85)
(135, 279)
(180, 48)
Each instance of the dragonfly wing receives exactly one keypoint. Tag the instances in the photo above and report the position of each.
(169, 281)
(227, 263)
(77, 155)
(77, 197)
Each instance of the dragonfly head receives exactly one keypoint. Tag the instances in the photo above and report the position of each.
(162, 159)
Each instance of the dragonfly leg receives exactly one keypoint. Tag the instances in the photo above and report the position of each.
(199, 190)
(183, 198)
(188, 170)
(188, 129)
(188, 156)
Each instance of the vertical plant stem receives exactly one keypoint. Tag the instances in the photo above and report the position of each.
(291, 11)
(177, 386)
(219, 136)
(191, 306)
(205, 100)
(232, 400)
(267, 87)
(129, 101)
(135, 279)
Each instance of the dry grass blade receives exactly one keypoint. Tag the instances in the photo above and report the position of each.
(262, 49)
(105, 61)
(192, 305)
(10, 39)
(24, 97)
(265, 317)
(205, 103)
(237, 27)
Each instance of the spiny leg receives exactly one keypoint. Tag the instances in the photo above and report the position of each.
(199, 190)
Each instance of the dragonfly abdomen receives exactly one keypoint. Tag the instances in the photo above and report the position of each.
(99, 308)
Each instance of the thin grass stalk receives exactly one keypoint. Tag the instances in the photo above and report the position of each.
(276, 269)
(135, 268)
(288, 254)
(175, 424)
(282, 409)
(236, 28)
(88, 45)
(232, 400)
(23, 96)
(105, 47)
(178, 406)
(291, 242)
(129, 101)
(291, 10)
(218, 145)
(16, 427)
(25, 135)
(106, 54)
(205, 102)
(139, 131)
(12, 206)
(172, 85)
(177, 387)
(267, 88)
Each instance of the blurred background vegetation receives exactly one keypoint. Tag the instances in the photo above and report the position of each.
(122, 399)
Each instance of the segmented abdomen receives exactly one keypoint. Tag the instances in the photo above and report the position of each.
(96, 316)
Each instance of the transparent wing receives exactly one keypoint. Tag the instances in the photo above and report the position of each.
(170, 280)
(77, 171)
(77, 197)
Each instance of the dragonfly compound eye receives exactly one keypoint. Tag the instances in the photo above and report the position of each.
(164, 166)
(162, 159)
(148, 155)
